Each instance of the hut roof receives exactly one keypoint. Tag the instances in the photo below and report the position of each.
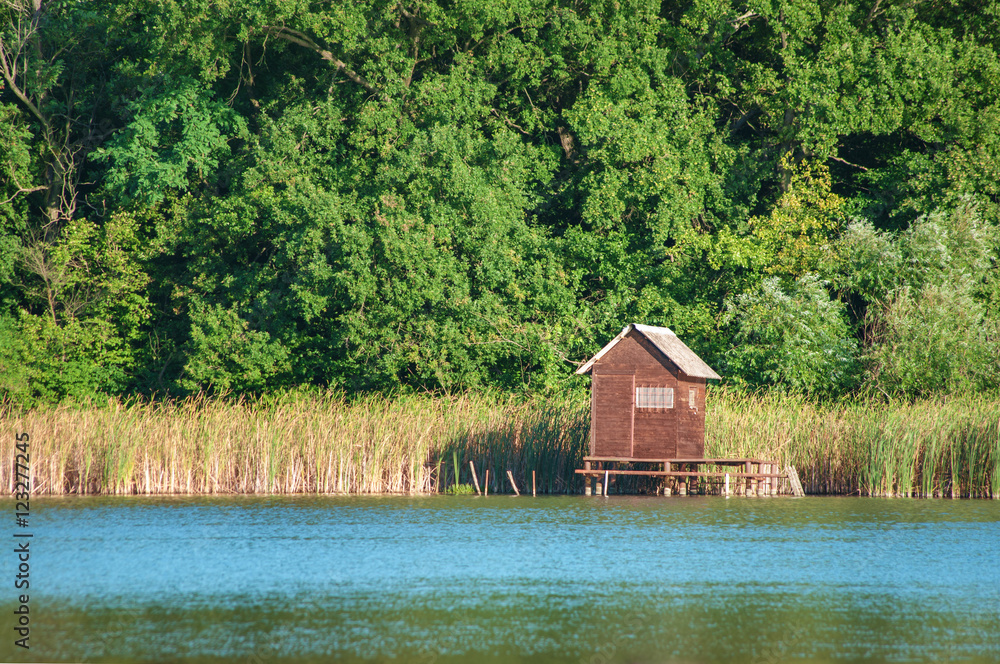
(667, 343)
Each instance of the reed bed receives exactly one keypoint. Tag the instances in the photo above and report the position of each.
(944, 447)
(296, 445)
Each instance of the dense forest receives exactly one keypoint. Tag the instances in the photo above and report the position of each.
(444, 195)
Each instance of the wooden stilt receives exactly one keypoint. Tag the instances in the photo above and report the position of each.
(486, 484)
(510, 476)
(534, 492)
(475, 479)
(606, 485)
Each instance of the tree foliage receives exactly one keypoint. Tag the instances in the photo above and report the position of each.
(798, 340)
(439, 196)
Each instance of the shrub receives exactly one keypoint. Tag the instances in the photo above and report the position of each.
(797, 340)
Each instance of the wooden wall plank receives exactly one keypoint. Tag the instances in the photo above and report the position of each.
(613, 408)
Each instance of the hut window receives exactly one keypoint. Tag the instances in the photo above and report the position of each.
(654, 397)
(692, 397)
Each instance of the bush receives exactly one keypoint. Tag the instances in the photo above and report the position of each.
(933, 340)
(796, 341)
(932, 333)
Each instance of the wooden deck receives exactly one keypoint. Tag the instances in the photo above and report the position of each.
(754, 477)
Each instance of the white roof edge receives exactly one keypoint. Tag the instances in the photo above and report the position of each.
(652, 328)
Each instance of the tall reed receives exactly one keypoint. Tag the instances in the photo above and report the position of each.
(939, 447)
(319, 444)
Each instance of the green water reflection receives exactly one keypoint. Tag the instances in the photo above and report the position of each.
(564, 579)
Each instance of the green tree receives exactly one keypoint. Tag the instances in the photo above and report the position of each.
(796, 340)
(88, 290)
(933, 340)
(430, 195)
(931, 332)
(73, 286)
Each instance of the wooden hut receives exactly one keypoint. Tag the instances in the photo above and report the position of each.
(647, 396)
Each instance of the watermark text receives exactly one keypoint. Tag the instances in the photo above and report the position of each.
(22, 540)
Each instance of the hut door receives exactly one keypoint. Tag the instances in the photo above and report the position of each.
(613, 414)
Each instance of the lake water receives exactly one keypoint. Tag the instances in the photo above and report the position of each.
(503, 579)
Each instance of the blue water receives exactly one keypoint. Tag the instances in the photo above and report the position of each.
(441, 579)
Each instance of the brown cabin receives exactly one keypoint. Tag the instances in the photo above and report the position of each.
(647, 396)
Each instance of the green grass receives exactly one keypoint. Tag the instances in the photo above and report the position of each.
(942, 447)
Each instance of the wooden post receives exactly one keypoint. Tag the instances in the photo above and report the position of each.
(727, 484)
(486, 484)
(607, 485)
(511, 478)
(588, 481)
(748, 490)
(533, 491)
(475, 479)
